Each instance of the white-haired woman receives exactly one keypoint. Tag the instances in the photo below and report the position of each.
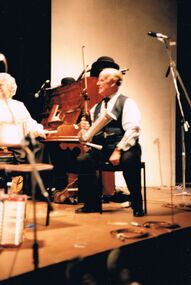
(16, 123)
(15, 120)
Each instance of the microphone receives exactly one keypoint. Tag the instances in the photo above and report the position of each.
(43, 86)
(157, 35)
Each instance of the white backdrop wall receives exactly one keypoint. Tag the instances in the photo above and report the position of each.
(119, 28)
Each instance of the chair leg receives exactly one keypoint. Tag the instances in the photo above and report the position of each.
(144, 187)
(100, 187)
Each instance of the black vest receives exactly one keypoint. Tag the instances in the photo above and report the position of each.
(113, 132)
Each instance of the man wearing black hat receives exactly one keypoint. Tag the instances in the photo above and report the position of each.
(101, 63)
(119, 138)
(58, 155)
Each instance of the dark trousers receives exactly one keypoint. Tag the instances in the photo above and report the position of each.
(64, 162)
(89, 190)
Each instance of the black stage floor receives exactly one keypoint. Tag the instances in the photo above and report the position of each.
(92, 249)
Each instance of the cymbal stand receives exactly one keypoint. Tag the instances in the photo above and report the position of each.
(184, 124)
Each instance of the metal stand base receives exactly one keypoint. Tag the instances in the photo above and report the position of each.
(184, 193)
(184, 205)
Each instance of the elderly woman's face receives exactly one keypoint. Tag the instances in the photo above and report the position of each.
(4, 91)
(8, 86)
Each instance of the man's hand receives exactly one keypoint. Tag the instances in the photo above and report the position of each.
(115, 157)
(84, 125)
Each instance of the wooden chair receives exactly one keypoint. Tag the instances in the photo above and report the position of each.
(110, 168)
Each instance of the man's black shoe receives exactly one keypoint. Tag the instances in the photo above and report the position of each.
(120, 197)
(86, 209)
(138, 213)
(106, 198)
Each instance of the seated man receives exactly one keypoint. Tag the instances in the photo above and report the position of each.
(119, 139)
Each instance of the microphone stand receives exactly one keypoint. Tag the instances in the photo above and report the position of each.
(184, 124)
(174, 72)
(35, 177)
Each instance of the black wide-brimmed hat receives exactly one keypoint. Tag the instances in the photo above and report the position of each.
(67, 81)
(101, 63)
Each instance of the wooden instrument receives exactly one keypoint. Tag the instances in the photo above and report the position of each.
(63, 108)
